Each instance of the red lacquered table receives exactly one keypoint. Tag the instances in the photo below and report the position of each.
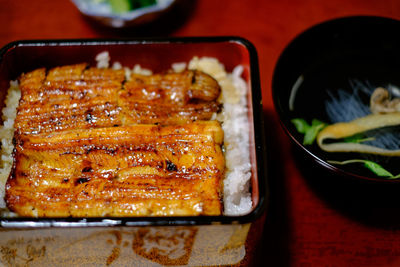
(312, 219)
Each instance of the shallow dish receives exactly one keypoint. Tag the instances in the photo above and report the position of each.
(101, 13)
(326, 63)
(197, 245)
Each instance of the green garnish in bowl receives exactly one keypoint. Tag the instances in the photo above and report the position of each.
(372, 166)
(122, 6)
(310, 131)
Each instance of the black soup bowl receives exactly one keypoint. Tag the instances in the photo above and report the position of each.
(328, 73)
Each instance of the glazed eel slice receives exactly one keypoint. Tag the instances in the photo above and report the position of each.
(138, 170)
(169, 98)
(68, 97)
(80, 97)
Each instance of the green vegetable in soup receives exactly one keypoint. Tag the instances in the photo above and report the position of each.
(372, 166)
(122, 6)
(310, 131)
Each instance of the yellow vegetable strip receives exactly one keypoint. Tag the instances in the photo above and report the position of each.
(346, 129)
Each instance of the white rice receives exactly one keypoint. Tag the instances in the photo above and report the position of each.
(234, 120)
(6, 135)
(103, 59)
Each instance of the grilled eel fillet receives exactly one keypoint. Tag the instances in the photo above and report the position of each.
(138, 170)
(80, 97)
